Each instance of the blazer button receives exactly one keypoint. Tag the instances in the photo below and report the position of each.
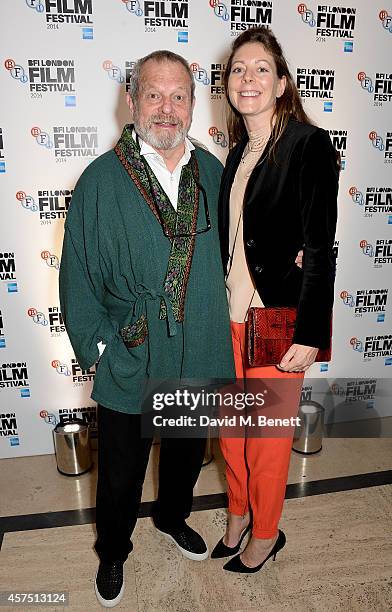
(250, 243)
(258, 269)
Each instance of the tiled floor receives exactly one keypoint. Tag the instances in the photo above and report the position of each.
(338, 554)
(337, 557)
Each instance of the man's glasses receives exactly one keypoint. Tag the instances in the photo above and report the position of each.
(203, 192)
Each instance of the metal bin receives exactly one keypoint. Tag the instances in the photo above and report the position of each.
(72, 446)
(308, 437)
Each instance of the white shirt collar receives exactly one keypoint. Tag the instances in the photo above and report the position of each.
(146, 149)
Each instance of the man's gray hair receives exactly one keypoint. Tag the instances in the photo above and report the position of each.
(159, 56)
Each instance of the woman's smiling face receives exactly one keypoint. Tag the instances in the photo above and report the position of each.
(254, 85)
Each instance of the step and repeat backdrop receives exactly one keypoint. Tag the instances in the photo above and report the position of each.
(65, 69)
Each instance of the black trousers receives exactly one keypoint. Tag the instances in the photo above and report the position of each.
(122, 461)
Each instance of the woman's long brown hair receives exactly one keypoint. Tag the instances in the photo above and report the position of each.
(288, 105)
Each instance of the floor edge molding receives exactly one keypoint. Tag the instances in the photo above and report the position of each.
(66, 518)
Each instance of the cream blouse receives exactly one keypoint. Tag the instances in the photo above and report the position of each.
(241, 291)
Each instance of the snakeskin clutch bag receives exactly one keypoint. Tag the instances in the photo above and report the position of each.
(270, 334)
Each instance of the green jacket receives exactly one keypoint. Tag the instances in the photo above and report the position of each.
(113, 265)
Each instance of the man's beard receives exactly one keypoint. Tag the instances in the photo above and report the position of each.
(163, 141)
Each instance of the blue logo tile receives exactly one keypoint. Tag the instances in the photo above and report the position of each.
(182, 37)
(12, 287)
(70, 100)
(2, 167)
(370, 404)
(25, 393)
(2, 342)
(324, 367)
(342, 164)
(328, 107)
(390, 220)
(381, 318)
(14, 441)
(388, 361)
(348, 46)
(88, 33)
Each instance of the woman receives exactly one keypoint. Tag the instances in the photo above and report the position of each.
(278, 195)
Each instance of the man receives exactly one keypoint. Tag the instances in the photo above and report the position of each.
(141, 278)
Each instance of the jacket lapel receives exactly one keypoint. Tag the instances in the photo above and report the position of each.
(228, 175)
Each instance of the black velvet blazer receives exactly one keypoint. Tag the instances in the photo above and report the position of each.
(290, 203)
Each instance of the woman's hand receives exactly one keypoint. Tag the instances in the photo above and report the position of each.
(298, 358)
(299, 258)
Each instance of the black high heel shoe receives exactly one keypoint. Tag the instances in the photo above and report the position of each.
(235, 564)
(221, 550)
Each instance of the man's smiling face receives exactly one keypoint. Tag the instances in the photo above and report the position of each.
(162, 112)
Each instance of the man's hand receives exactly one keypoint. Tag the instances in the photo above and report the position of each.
(298, 259)
(298, 358)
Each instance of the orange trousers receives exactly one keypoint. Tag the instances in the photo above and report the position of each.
(257, 468)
